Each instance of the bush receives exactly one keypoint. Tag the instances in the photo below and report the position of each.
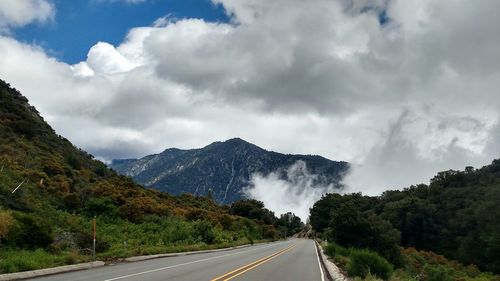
(330, 250)
(101, 206)
(438, 273)
(269, 232)
(225, 221)
(31, 232)
(205, 231)
(6, 223)
(333, 250)
(364, 262)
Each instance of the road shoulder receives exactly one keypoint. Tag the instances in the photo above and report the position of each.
(50, 271)
(333, 271)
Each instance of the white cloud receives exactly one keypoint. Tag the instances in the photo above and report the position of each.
(401, 100)
(15, 13)
(103, 58)
(82, 69)
(299, 186)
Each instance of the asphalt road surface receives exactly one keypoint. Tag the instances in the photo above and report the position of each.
(286, 260)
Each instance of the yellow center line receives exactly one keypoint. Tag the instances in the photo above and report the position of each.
(250, 268)
(248, 265)
(252, 265)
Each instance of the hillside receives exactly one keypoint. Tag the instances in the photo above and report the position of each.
(60, 174)
(457, 216)
(224, 168)
(59, 189)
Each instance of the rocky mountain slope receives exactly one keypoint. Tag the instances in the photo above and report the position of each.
(223, 169)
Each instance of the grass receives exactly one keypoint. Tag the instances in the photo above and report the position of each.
(125, 250)
(23, 260)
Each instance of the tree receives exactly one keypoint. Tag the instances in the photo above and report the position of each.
(415, 219)
(320, 213)
(252, 209)
(352, 228)
(290, 224)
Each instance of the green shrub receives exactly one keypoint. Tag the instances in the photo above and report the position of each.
(205, 231)
(176, 230)
(330, 250)
(31, 232)
(364, 262)
(101, 206)
(225, 221)
(333, 250)
(438, 273)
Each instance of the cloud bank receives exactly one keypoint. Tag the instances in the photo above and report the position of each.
(401, 89)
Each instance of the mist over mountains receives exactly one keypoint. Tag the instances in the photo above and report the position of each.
(225, 169)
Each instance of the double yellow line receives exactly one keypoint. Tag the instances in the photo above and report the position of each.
(237, 272)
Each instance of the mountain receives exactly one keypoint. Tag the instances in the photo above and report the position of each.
(222, 168)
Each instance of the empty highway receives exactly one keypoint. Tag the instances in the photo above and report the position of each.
(285, 260)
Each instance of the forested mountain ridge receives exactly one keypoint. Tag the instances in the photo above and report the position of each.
(50, 191)
(457, 215)
(223, 168)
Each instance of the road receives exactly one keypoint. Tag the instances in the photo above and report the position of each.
(285, 260)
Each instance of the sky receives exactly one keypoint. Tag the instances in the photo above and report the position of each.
(77, 25)
(401, 89)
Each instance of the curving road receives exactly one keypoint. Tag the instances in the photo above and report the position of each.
(286, 260)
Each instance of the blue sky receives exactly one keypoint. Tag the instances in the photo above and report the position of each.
(79, 24)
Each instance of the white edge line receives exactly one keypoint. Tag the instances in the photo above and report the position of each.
(319, 262)
(187, 263)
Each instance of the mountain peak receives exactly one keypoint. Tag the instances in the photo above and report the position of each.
(237, 140)
(232, 141)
